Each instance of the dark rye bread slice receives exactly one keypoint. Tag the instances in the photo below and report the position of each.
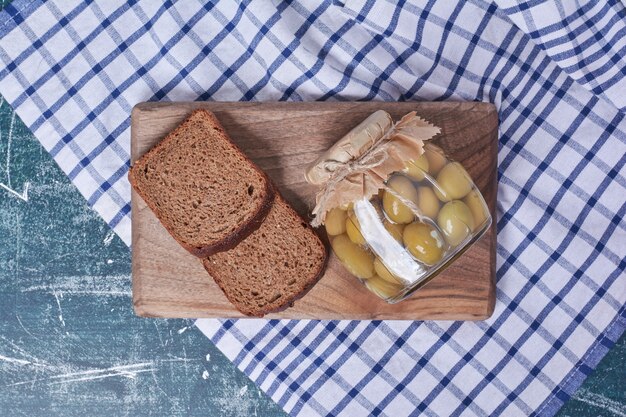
(274, 266)
(204, 190)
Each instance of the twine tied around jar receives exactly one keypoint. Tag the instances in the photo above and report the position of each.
(358, 165)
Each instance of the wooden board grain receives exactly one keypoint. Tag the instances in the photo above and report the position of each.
(282, 138)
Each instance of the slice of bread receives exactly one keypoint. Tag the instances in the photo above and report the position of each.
(274, 266)
(204, 190)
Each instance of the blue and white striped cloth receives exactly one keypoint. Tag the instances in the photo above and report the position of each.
(557, 73)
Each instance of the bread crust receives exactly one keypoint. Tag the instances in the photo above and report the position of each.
(289, 301)
(243, 230)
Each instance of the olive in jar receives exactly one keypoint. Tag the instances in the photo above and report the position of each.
(418, 168)
(384, 289)
(436, 158)
(424, 242)
(382, 271)
(358, 260)
(453, 182)
(428, 202)
(456, 221)
(353, 229)
(396, 210)
(394, 229)
(335, 222)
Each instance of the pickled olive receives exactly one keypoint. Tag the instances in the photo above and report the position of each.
(454, 181)
(476, 205)
(418, 168)
(424, 242)
(394, 229)
(335, 222)
(382, 288)
(397, 211)
(456, 221)
(436, 158)
(441, 194)
(357, 260)
(382, 271)
(427, 202)
(353, 229)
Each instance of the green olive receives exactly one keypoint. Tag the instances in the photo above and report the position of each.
(353, 229)
(427, 202)
(383, 289)
(478, 208)
(397, 211)
(441, 194)
(456, 221)
(454, 182)
(394, 229)
(384, 273)
(418, 168)
(436, 158)
(335, 222)
(356, 259)
(424, 242)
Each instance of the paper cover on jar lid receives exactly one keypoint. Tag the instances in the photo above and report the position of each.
(349, 147)
(379, 151)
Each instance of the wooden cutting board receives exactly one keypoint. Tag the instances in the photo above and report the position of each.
(282, 138)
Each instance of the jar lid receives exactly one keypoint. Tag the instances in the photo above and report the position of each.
(354, 144)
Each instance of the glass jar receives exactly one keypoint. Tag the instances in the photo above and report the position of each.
(426, 216)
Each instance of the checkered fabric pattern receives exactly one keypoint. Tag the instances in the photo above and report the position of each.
(556, 71)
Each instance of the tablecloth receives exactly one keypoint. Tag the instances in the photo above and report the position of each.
(73, 70)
